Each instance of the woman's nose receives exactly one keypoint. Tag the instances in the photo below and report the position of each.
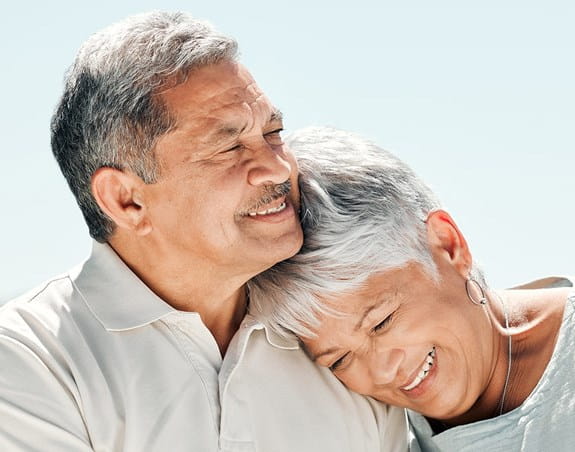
(385, 365)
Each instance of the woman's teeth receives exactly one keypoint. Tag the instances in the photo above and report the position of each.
(423, 372)
(277, 209)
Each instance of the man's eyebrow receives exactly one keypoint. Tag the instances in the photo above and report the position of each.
(276, 115)
(228, 131)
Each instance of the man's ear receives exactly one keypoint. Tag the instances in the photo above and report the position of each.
(447, 242)
(119, 195)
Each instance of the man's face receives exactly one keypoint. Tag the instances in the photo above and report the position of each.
(221, 196)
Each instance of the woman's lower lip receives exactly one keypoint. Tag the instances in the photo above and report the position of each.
(423, 387)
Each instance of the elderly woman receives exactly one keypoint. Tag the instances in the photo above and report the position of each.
(386, 294)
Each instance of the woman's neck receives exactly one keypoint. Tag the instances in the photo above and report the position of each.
(534, 318)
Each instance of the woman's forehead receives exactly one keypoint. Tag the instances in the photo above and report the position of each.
(378, 287)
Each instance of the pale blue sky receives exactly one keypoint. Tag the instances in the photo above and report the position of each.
(480, 100)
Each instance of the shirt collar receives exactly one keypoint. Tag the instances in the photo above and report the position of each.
(114, 294)
(251, 323)
(282, 342)
(121, 301)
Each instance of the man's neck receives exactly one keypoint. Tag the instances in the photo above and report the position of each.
(218, 296)
(224, 323)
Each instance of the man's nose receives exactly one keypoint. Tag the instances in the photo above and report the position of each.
(385, 366)
(269, 165)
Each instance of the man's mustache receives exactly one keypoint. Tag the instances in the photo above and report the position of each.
(270, 194)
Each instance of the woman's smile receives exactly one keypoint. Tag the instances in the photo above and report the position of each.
(421, 373)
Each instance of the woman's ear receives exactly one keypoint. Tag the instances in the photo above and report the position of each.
(447, 242)
(119, 195)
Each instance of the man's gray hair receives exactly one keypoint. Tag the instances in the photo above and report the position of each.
(111, 114)
(362, 211)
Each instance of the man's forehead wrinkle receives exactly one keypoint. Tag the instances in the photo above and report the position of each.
(252, 87)
(225, 111)
(205, 100)
(209, 122)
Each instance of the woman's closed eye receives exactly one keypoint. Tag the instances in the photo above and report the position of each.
(339, 363)
(382, 324)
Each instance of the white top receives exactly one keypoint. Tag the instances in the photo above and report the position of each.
(93, 360)
(545, 421)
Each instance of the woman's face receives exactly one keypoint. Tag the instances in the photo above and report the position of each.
(410, 342)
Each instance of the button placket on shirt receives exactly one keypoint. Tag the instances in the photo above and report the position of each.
(235, 429)
(201, 350)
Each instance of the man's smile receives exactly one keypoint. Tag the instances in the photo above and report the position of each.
(269, 210)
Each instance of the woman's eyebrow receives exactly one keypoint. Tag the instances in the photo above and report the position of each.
(316, 356)
(381, 300)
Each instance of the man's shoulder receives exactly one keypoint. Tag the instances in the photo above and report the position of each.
(57, 290)
(38, 390)
(276, 376)
(43, 310)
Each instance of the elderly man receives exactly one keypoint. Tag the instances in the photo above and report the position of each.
(176, 160)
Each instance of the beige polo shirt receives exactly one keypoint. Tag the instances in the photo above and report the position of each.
(93, 360)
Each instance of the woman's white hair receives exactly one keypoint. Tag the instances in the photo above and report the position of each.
(362, 211)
